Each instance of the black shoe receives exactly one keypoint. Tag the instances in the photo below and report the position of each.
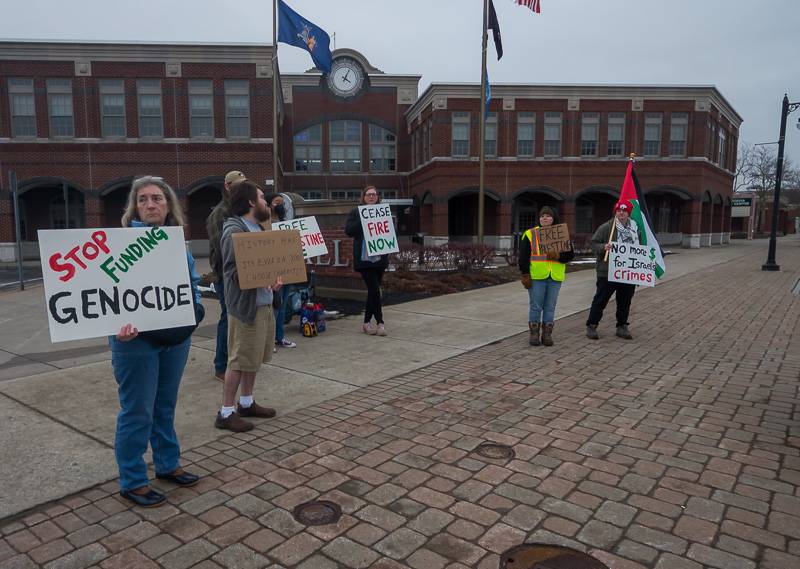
(184, 479)
(591, 332)
(149, 500)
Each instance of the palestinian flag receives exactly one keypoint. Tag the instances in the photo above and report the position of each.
(632, 192)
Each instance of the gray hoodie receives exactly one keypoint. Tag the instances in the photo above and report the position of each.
(240, 303)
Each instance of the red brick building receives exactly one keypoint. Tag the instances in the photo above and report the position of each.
(80, 120)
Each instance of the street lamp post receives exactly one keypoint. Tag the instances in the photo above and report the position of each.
(771, 265)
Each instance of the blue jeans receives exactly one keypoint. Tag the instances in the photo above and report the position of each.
(543, 296)
(279, 314)
(221, 356)
(148, 378)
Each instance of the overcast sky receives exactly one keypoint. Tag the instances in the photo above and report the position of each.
(749, 49)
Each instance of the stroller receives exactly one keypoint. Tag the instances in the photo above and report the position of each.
(299, 295)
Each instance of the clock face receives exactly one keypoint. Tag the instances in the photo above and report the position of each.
(346, 77)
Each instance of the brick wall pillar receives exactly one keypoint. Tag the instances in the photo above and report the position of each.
(691, 225)
(440, 232)
(566, 214)
(93, 206)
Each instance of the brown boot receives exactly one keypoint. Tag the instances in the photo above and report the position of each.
(547, 334)
(256, 410)
(534, 328)
(622, 332)
(233, 423)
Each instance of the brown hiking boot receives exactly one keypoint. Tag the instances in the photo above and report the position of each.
(233, 423)
(622, 332)
(534, 328)
(256, 410)
(547, 334)
(591, 332)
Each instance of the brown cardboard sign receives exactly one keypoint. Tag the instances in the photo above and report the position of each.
(263, 256)
(554, 239)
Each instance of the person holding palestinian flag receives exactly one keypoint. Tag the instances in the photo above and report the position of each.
(630, 224)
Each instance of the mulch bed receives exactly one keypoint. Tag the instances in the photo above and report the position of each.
(405, 286)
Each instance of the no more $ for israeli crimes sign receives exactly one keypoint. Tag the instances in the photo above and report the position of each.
(378, 226)
(98, 280)
(631, 264)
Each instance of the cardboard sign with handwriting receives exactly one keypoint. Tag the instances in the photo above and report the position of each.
(554, 239)
(263, 256)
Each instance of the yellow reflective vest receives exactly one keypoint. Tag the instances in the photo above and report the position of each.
(541, 267)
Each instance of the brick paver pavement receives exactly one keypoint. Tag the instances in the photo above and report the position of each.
(678, 450)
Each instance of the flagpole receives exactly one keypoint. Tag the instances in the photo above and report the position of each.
(482, 155)
(275, 86)
(631, 156)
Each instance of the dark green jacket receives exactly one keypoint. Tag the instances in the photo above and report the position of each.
(598, 243)
(214, 223)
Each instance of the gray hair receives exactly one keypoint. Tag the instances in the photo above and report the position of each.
(174, 211)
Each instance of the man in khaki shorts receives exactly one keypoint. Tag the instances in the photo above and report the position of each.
(251, 324)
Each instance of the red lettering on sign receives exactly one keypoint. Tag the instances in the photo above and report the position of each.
(89, 251)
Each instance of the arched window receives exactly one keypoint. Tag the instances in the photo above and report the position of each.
(58, 214)
(308, 149)
(345, 147)
(382, 150)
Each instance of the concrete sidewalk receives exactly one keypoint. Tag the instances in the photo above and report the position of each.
(61, 400)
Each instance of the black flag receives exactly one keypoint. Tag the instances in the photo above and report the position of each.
(495, 27)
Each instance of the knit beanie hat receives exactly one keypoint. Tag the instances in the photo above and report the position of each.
(547, 210)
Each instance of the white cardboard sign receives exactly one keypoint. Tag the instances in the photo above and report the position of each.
(310, 235)
(98, 280)
(631, 264)
(378, 225)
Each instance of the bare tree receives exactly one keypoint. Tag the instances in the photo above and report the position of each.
(744, 164)
(761, 176)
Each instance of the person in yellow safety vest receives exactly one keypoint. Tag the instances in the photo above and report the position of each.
(542, 275)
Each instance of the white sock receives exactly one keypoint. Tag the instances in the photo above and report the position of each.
(245, 401)
(226, 412)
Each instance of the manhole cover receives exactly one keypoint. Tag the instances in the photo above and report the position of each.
(533, 556)
(317, 513)
(494, 450)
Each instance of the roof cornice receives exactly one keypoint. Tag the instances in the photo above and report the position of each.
(136, 51)
(443, 91)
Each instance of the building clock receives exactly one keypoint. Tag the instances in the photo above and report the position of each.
(346, 78)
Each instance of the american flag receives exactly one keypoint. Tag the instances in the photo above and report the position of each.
(532, 4)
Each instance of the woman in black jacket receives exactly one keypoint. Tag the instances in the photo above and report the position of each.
(370, 267)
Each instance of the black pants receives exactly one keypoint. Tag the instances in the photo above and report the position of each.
(372, 278)
(604, 291)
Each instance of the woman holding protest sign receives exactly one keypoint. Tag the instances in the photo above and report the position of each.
(542, 275)
(148, 367)
(371, 267)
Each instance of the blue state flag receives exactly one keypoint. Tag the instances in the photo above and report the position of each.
(487, 95)
(295, 30)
